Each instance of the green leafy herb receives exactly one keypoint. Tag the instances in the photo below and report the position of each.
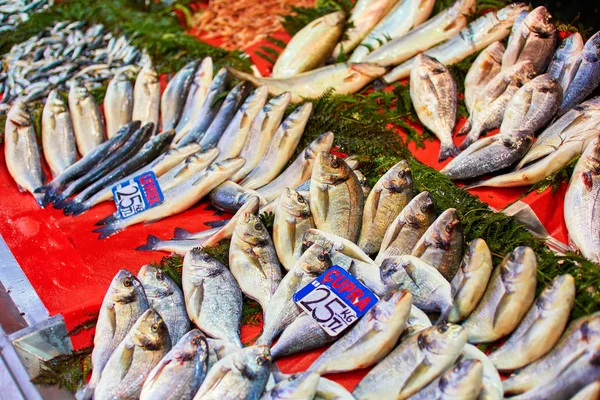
(251, 313)
(171, 266)
(67, 370)
(84, 326)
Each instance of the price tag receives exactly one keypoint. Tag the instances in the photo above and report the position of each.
(335, 299)
(137, 194)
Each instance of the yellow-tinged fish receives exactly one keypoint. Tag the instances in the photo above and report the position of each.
(485, 67)
(146, 97)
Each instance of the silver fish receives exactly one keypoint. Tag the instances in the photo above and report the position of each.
(146, 97)
(590, 392)
(181, 372)
(301, 335)
(370, 339)
(416, 322)
(195, 97)
(534, 39)
(292, 220)
(433, 94)
(330, 390)
(167, 299)
(541, 327)
(241, 375)
(430, 291)
(336, 198)
(253, 260)
(118, 103)
(174, 97)
(335, 243)
(390, 195)
(177, 246)
(462, 381)
(230, 197)
(282, 146)
(470, 281)
(87, 118)
(146, 343)
(417, 361)
(408, 227)
(485, 67)
(563, 65)
(491, 384)
(509, 295)
(300, 386)
(58, 137)
(212, 296)
(186, 168)
(218, 349)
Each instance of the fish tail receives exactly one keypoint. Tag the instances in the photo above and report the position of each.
(464, 129)
(107, 230)
(68, 206)
(469, 140)
(151, 242)
(181, 233)
(106, 220)
(245, 76)
(447, 150)
(59, 202)
(79, 208)
(379, 84)
(217, 224)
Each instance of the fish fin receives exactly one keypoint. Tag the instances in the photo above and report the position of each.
(475, 184)
(422, 368)
(248, 77)
(420, 247)
(39, 199)
(217, 224)
(112, 318)
(107, 220)
(151, 242)
(465, 128)
(323, 200)
(79, 209)
(448, 150)
(106, 231)
(469, 140)
(374, 203)
(501, 310)
(197, 295)
(181, 233)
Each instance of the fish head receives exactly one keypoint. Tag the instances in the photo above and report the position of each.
(278, 103)
(560, 293)
(78, 91)
(220, 79)
(330, 169)
(518, 265)
(55, 102)
(439, 339)
(119, 78)
(476, 256)
(204, 72)
(420, 211)
(297, 386)
(569, 46)
(294, 204)
(18, 115)
(191, 346)
(315, 260)
(393, 270)
(190, 67)
(587, 328)
(256, 100)
(186, 149)
(398, 178)
(125, 288)
(156, 283)
(511, 12)
(335, 18)
(228, 166)
(429, 65)
(200, 157)
(315, 236)
(462, 379)
(394, 306)
(322, 143)
(546, 84)
(369, 70)
(151, 332)
(148, 73)
(204, 265)
(591, 50)
(495, 51)
(252, 361)
(160, 140)
(445, 228)
(518, 141)
(520, 73)
(539, 21)
(251, 230)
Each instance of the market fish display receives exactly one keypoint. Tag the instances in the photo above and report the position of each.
(146, 96)
(563, 65)
(310, 47)
(433, 94)
(301, 335)
(58, 137)
(462, 381)
(14, 12)
(88, 123)
(509, 294)
(335, 244)
(196, 95)
(485, 67)
(491, 384)
(173, 98)
(118, 103)
(491, 27)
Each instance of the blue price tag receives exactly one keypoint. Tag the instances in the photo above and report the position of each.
(335, 299)
(137, 194)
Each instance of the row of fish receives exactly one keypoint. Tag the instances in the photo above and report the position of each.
(15, 12)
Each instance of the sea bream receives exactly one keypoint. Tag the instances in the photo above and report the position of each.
(461, 382)
(58, 137)
(230, 196)
(299, 386)
(174, 97)
(195, 96)
(491, 384)
(118, 103)
(146, 96)
(87, 118)
(563, 65)
(303, 334)
(485, 67)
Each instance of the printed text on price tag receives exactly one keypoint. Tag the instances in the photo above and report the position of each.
(335, 299)
(137, 194)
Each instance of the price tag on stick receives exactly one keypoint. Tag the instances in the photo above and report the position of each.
(335, 299)
(137, 194)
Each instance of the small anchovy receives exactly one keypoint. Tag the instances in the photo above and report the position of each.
(177, 246)
(173, 98)
(563, 65)
(485, 67)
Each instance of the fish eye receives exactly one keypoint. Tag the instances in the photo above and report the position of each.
(258, 226)
(154, 327)
(449, 228)
(159, 275)
(321, 257)
(127, 282)
(335, 163)
(443, 328)
(259, 360)
(531, 75)
(300, 199)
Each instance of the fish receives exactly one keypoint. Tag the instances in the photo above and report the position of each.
(21, 152)
(364, 184)
(178, 198)
(491, 384)
(58, 137)
(146, 96)
(407, 228)
(583, 117)
(433, 94)
(261, 132)
(177, 246)
(563, 65)
(580, 211)
(292, 220)
(299, 170)
(416, 322)
(224, 117)
(534, 39)
(580, 335)
(441, 27)
(124, 302)
(280, 150)
(174, 97)
(331, 390)
(586, 75)
(166, 298)
(364, 17)
(541, 327)
(390, 195)
(300, 386)
(232, 140)
(207, 113)
(441, 245)
(571, 147)
(485, 67)
(118, 103)
(406, 15)
(303, 334)
(146, 343)
(430, 291)
(341, 78)
(86, 117)
(213, 298)
(413, 364)
(217, 349)
(334, 244)
(181, 372)
(196, 96)
(253, 260)
(589, 392)
(336, 198)
(320, 36)
(488, 155)
(230, 197)
(241, 375)
(197, 161)
(470, 281)
(281, 310)
(488, 111)
(371, 339)
(490, 27)
(509, 294)
(462, 381)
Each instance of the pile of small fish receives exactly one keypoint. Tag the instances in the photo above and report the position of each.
(14, 12)
(144, 347)
(67, 50)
